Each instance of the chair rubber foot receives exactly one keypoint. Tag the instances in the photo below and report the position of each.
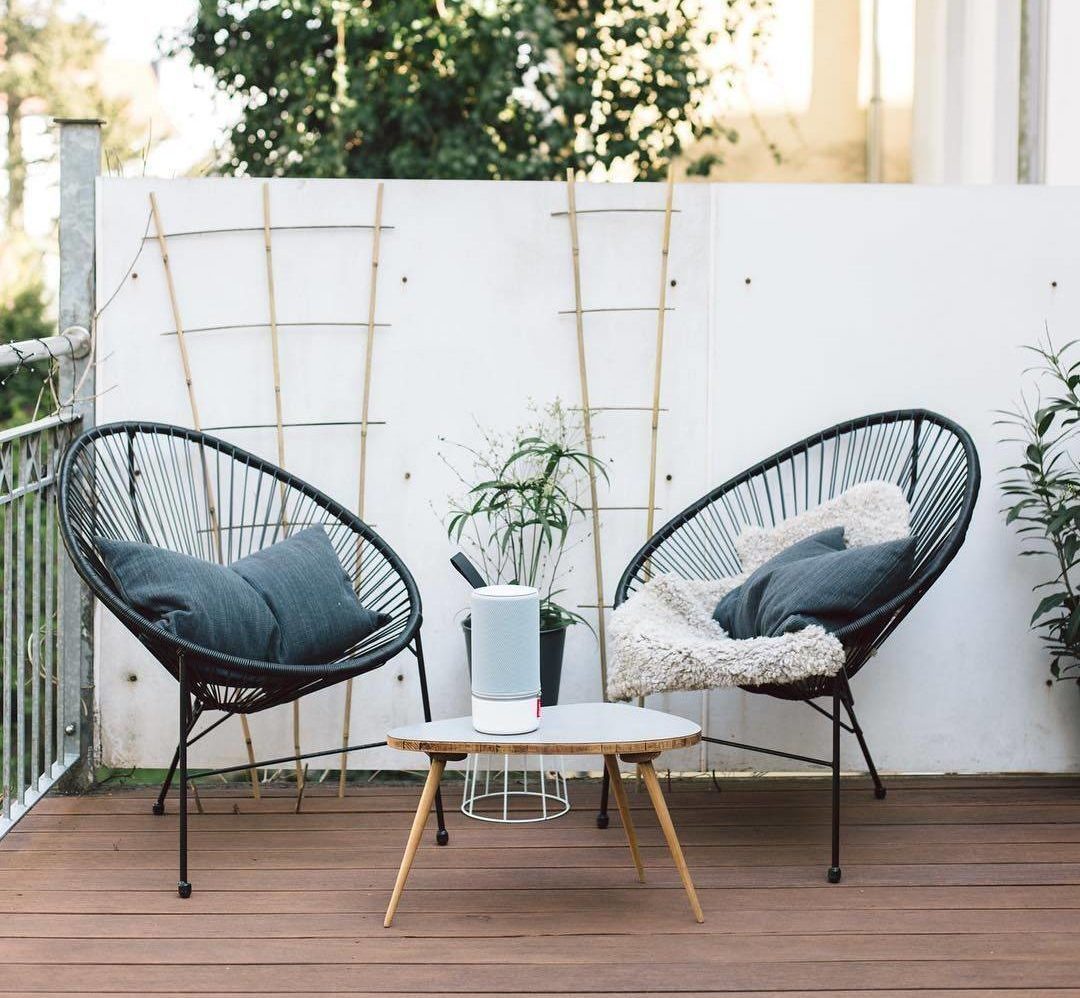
(183, 888)
(602, 820)
(833, 876)
(879, 793)
(158, 807)
(442, 836)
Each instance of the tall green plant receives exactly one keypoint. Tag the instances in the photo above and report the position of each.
(516, 520)
(1044, 495)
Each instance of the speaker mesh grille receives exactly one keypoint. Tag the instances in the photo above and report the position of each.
(506, 643)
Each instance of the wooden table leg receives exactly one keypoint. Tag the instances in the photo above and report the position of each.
(617, 788)
(652, 784)
(438, 764)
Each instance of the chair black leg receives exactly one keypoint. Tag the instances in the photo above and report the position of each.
(834, 870)
(879, 787)
(183, 886)
(602, 819)
(442, 836)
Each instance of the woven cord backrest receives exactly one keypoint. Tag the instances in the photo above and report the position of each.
(187, 492)
(930, 458)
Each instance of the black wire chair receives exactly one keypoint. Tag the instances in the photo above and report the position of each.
(191, 493)
(930, 457)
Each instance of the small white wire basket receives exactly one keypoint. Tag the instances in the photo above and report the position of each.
(525, 793)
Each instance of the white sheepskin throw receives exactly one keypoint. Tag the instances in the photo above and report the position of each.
(870, 513)
(664, 639)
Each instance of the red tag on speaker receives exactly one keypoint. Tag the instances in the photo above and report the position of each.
(537, 706)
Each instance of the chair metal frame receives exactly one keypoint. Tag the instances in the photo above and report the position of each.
(190, 492)
(929, 456)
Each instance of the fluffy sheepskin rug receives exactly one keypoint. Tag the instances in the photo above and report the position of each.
(664, 638)
(870, 513)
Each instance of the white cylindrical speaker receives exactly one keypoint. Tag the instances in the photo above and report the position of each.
(505, 659)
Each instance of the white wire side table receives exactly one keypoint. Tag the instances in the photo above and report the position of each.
(496, 792)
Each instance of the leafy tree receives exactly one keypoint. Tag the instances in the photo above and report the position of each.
(22, 317)
(50, 64)
(508, 89)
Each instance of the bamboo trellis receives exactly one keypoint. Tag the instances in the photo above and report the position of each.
(579, 312)
(364, 414)
(211, 503)
(370, 325)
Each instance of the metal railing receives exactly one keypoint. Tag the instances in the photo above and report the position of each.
(44, 604)
(40, 677)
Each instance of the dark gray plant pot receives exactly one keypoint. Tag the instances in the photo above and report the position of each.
(552, 643)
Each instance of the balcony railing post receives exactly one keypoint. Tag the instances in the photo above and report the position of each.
(80, 165)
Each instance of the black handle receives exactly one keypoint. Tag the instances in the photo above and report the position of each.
(468, 570)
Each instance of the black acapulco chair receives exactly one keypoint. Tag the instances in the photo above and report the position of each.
(930, 457)
(189, 492)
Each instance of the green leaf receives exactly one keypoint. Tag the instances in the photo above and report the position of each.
(1047, 604)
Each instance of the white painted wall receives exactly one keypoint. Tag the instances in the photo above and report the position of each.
(859, 299)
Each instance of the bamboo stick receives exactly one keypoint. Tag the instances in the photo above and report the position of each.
(245, 727)
(364, 414)
(661, 316)
(280, 429)
(586, 414)
(300, 792)
(198, 800)
(369, 350)
(196, 421)
(300, 769)
(274, 340)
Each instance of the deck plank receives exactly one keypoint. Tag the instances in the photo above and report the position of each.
(951, 885)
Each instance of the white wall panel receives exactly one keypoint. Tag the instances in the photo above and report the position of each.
(859, 299)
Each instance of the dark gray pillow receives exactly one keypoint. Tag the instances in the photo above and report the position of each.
(730, 609)
(197, 600)
(291, 602)
(310, 595)
(816, 584)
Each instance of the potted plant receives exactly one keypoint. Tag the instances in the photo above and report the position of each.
(523, 497)
(1044, 495)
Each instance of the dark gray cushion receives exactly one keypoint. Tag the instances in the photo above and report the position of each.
(731, 609)
(291, 602)
(197, 600)
(814, 583)
(310, 595)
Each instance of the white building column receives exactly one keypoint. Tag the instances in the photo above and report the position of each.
(966, 101)
(1062, 93)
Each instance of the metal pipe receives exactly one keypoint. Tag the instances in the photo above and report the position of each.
(283, 760)
(768, 751)
(73, 342)
(80, 164)
(1031, 141)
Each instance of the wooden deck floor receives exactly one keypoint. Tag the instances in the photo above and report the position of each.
(949, 884)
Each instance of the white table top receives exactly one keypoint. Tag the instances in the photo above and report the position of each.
(571, 729)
